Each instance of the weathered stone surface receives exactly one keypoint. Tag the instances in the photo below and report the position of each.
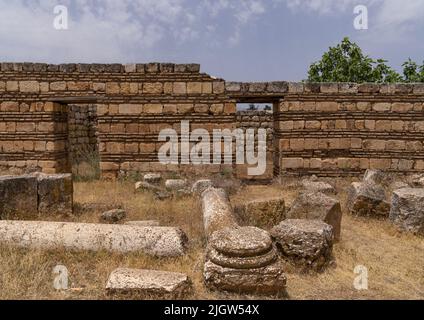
(407, 209)
(155, 241)
(142, 186)
(145, 283)
(113, 216)
(55, 193)
(318, 206)
(175, 184)
(144, 223)
(365, 199)
(266, 280)
(262, 212)
(162, 195)
(318, 186)
(417, 180)
(375, 176)
(241, 241)
(18, 197)
(236, 262)
(201, 185)
(153, 178)
(217, 211)
(307, 243)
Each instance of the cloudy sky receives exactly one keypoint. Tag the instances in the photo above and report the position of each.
(243, 40)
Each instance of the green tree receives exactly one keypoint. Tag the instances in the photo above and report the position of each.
(347, 63)
(412, 72)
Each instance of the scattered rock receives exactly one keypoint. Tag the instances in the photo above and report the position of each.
(155, 241)
(365, 199)
(152, 178)
(399, 185)
(113, 216)
(375, 177)
(162, 195)
(407, 210)
(55, 193)
(18, 197)
(146, 223)
(318, 186)
(175, 184)
(318, 206)
(306, 243)
(147, 283)
(263, 212)
(183, 193)
(201, 185)
(417, 180)
(143, 186)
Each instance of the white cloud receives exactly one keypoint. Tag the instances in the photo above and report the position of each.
(122, 30)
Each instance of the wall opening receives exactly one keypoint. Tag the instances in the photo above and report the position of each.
(83, 146)
(258, 115)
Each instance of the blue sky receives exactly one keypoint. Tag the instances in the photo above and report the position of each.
(240, 40)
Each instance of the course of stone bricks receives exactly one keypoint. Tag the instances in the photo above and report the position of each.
(325, 129)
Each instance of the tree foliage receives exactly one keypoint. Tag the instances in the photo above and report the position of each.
(347, 63)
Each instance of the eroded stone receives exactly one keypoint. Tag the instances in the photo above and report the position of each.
(365, 199)
(407, 210)
(316, 205)
(145, 283)
(306, 243)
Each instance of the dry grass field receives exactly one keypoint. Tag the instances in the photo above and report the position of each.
(395, 260)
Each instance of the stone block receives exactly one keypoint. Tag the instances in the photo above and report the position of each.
(148, 283)
(407, 210)
(55, 194)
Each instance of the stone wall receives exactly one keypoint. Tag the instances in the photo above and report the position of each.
(326, 129)
(82, 139)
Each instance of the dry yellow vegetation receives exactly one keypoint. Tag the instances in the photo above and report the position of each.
(395, 260)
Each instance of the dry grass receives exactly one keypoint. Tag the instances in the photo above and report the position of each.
(395, 260)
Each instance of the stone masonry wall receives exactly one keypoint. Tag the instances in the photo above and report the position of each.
(325, 129)
(264, 120)
(82, 138)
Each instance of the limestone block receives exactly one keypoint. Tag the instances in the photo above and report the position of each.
(18, 197)
(318, 186)
(113, 216)
(306, 243)
(55, 193)
(201, 185)
(318, 206)
(175, 184)
(155, 241)
(148, 283)
(367, 199)
(263, 213)
(153, 178)
(407, 210)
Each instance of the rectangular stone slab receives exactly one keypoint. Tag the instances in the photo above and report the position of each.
(148, 283)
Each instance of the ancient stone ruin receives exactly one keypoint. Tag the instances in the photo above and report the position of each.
(106, 119)
(329, 129)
